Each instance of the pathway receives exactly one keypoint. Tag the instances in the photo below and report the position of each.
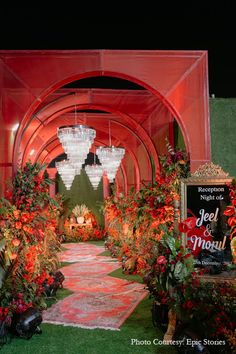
(99, 300)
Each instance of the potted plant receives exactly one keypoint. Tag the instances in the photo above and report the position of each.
(172, 268)
(80, 212)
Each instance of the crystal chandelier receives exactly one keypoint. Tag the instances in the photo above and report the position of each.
(66, 171)
(94, 173)
(110, 158)
(76, 141)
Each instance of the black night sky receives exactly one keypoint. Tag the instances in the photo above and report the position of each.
(197, 27)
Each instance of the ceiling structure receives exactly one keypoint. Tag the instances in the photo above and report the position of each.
(144, 92)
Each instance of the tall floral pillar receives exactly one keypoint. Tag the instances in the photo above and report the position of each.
(52, 187)
(106, 187)
(106, 193)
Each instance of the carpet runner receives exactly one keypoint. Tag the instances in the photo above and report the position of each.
(98, 300)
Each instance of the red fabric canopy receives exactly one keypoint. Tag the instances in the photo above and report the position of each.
(175, 86)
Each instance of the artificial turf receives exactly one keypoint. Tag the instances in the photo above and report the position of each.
(56, 339)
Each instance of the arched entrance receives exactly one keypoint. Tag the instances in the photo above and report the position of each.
(175, 85)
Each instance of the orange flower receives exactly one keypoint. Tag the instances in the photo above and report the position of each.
(125, 228)
(18, 225)
(15, 242)
(13, 256)
(29, 267)
(155, 224)
(16, 214)
(28, 229)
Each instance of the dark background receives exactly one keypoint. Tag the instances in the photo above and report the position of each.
(197, 26)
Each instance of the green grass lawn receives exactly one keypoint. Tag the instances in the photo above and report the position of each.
(131, 277)
(57, 339)
(97, 243)
(105, 254)
(71, 340)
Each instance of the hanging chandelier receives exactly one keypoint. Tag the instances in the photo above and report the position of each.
(76, 141)
(110, 158)
(94, 173)
(66, 171)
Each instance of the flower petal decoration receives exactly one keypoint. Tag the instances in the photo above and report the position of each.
(229, 211)
(232, 221)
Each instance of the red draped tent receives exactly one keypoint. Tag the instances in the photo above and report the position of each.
(35, 94)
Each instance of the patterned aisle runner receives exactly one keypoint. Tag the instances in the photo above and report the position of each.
(98, 300)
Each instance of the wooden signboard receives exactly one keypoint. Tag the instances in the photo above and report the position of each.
(203, 201)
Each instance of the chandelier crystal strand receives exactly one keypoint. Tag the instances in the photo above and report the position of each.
(76, 141)
(66, 171)
(94, 173)
(110, 158)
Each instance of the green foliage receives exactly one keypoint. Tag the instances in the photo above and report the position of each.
(173, 266)
(223, 127)
(30, 188)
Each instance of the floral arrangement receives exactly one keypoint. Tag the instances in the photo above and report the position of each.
(29, 188)
(210, 307)
(230, 211)
(28, 241)
(141, 232)
(84, 234)
(173, 266)
(80, 210)
(137, 223)
(175, 164)
(88, 232)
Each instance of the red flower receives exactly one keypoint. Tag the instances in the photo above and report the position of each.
(8, 195)
(154, 213)
(183, 227)
(161, 260)
(18, 225)
(188, 224)
(25, 217)
(188, 305)
(230, 210)
(187, 255)
(232, 221)
(164, 300)
(191, 222)
(233, 233)
(162, 268)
